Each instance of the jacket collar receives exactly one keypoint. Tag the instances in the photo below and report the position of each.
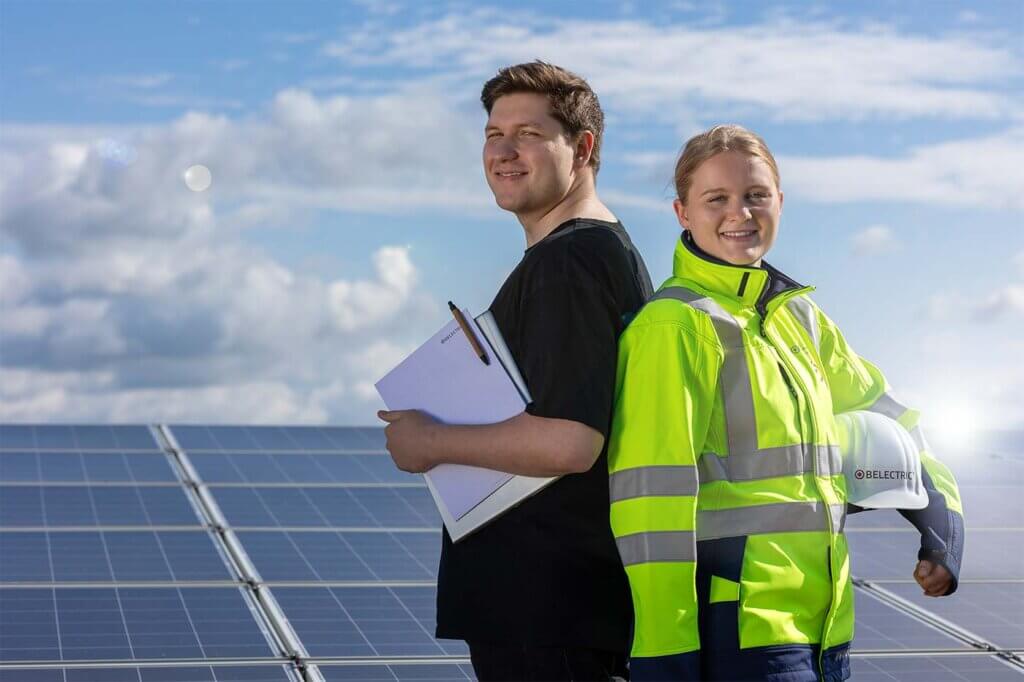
(748, 285)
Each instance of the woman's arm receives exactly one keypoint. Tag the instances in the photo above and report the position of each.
(666, 387)
(856, 384)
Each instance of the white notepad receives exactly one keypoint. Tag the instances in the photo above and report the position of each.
(445, 379)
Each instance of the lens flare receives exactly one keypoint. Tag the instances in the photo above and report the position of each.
(198, 178)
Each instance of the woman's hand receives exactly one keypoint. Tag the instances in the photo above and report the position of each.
(410, 436)
(933, 578)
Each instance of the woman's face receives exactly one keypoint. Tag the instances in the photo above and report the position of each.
(732, 208)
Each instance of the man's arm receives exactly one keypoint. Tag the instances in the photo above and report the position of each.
(525, 445)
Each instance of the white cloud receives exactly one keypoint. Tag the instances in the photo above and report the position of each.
(874, 240)
(128, 297)
(230, 65)
(294, 38)
(230, 326)
(797, 71)
(374, 362)
(85, 397)
(358, 304)
(146, 81)
(1005, 302)
(14, 281)
(60, 192)
(125, 296)
(29, 395)
(982, 171)
(179, 101)
(381, 7)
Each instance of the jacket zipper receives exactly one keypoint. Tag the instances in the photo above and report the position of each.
(830, 615)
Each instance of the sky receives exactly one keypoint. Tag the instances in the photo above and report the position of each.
(348, 205)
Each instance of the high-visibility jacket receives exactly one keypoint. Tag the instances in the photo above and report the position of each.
(727, 495)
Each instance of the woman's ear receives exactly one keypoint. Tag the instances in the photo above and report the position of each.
(681, 214)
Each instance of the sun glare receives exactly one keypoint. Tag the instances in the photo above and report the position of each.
(952, 425)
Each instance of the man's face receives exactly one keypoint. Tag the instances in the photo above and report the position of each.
(527, 158)
(732, 208)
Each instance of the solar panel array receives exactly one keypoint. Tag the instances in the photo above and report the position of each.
(182, 553)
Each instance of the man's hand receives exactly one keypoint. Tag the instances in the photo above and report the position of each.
(933, 578)
(409, 434)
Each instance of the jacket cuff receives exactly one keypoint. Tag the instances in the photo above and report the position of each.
(948, 551)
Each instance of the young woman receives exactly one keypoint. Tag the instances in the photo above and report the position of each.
(728, 499)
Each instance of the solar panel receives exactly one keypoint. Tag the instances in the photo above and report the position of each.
(55, 506)
(254, 438)
(64, 466)
(365, 621)
(220, 673)
(992, 505)
(311, 438)
(374, 436)
(990, 611)
(107, 555)
(110, 556)
(393, 673)
(880, 627)
(293, 507)
(65, 437)
(337, 534)
(988, 554)
(930, 668)
(985, 506)
(224, 467)
(66, 624)
(337, 556)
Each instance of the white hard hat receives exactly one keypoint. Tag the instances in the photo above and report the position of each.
(881, 462)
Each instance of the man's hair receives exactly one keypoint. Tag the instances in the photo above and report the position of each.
(573, 103)
(721, 138)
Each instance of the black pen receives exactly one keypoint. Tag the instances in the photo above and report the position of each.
(468, 331)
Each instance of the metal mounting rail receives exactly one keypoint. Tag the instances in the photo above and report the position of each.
(119, 584)
(339, 529)
(318, 485)
(393, 660)
(264, 605)
(147, 663)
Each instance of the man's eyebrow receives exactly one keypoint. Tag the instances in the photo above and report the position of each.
(520, 124)
(713, 189)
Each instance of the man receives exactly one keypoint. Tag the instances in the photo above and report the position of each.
(540, 592)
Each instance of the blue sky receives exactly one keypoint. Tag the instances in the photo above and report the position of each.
(348, 204)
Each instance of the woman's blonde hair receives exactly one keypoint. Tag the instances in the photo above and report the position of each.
(721, 138)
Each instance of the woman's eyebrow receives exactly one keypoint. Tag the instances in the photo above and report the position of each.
(723, 189)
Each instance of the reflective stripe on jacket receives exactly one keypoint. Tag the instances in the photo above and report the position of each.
(727, 495)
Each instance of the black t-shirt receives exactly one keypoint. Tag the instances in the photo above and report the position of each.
(547, 573)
